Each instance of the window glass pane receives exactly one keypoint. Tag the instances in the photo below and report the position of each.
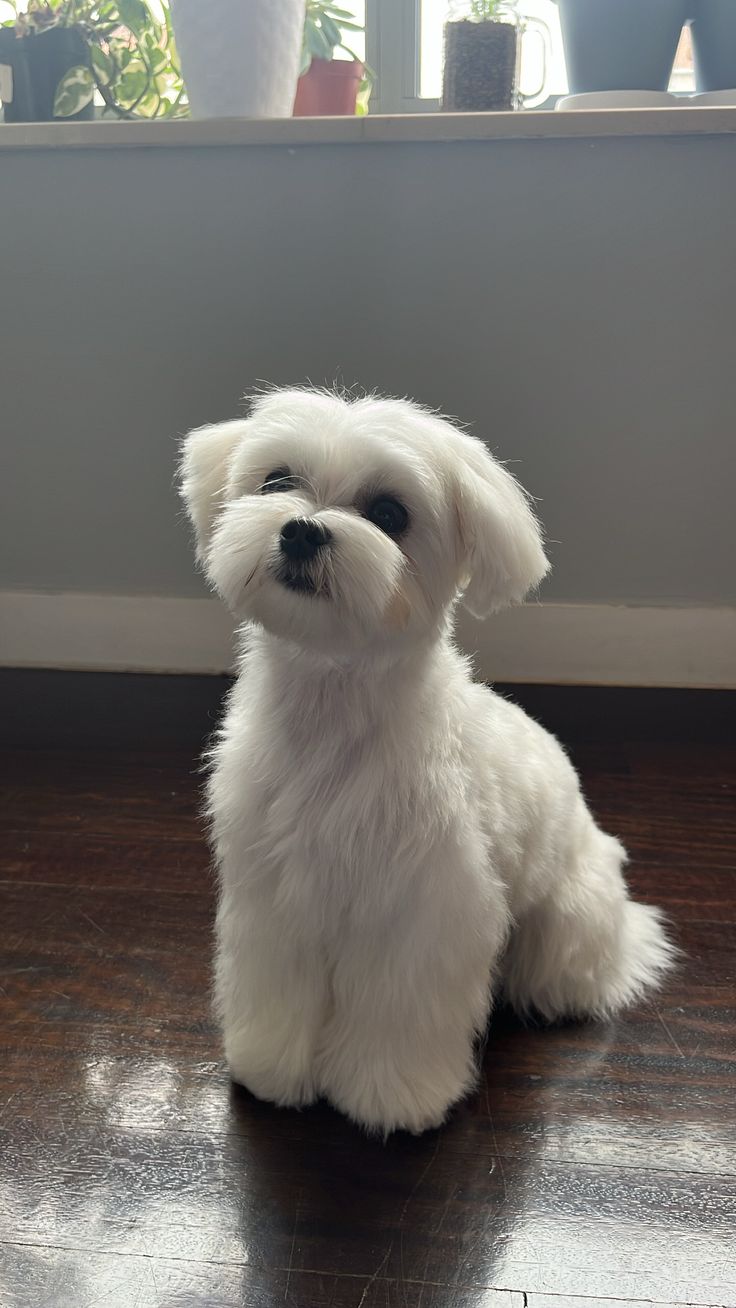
(432, 15)
(683, 73)
(355, 41)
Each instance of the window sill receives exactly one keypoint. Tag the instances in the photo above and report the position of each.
(385, 129)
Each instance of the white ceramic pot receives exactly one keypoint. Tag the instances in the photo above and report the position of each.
(239, 58)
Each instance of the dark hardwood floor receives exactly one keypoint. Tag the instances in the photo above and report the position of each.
(595, 1164)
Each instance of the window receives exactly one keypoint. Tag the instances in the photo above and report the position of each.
(404, 47)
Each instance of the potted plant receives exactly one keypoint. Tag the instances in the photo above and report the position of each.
(60, 52)
(620, 45)
(713, 29)
(481, 58)
(328, 85)
(240, 58)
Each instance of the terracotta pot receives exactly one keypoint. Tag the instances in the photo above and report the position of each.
(329, 87)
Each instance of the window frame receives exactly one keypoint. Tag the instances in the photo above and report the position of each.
(392, 51)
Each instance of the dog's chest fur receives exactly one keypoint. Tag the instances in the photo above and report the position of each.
(331, 784)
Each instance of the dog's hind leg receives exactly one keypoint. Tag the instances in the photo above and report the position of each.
(586, 949)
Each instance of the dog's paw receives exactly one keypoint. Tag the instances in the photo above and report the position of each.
(274, 1090)
(387, 1100)
(278, 1077)
(378, 1115)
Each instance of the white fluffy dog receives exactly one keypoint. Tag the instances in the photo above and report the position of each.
(394, 842)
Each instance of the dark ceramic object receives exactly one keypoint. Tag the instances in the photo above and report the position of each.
(39, 62)
(620, 45)
(713, 26)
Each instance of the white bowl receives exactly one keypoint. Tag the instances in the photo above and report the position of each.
(713, 97)
(618, 100)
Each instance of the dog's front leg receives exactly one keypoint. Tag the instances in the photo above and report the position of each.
(271, 998)
(409, 1000)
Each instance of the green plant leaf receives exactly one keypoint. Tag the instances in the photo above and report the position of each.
(155, 42)
(121, 53)
(102, 64)
(148, 106)
(157, 58)
(131, 85)
(134, 14)
(330, 30)
(170, 35)
(342, 18)
(167, 84)
(364, 91)
(317, 44)
(75, 90)
(490, 11)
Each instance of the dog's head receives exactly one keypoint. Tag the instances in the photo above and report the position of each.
(346, 525)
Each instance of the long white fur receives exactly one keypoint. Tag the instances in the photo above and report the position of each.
(395, 843)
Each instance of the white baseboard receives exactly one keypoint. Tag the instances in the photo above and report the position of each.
(593, 644)
(606, 645)
(121, 633)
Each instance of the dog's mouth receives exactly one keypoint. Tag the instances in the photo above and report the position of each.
(300, 582)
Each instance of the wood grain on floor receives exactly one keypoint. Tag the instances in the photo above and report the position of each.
(596, 1164)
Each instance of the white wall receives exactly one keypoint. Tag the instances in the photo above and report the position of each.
(573, 299)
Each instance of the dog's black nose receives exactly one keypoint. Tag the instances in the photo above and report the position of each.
(302, 537)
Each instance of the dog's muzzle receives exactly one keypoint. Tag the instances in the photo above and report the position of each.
(300, 541)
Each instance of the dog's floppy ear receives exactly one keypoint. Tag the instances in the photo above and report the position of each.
(501, 542)
(203, 474)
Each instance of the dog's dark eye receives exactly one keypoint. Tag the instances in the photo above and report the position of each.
(278, 480)
(388, 514)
